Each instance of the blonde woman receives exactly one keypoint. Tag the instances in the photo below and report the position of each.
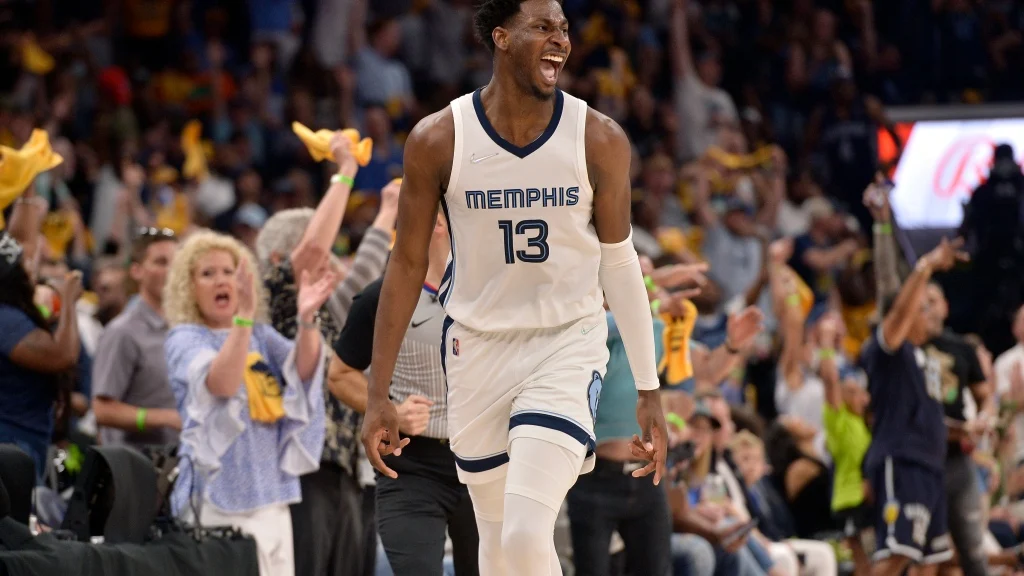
(251, 401)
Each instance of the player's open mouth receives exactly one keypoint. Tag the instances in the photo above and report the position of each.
(550, 64)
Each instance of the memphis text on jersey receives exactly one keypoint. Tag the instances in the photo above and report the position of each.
(520, 198)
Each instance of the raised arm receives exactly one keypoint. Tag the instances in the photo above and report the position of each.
(428, 159)
(897, 322)
(323, 226)
(710, 368)
(887, 278)
(372, 254)
(828, 370)
(40, 351)
(682, 56)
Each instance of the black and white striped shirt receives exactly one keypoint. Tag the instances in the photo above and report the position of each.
(418, 369)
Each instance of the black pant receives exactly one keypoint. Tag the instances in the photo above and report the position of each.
(327, 526)
(414, 509)
(609, 499)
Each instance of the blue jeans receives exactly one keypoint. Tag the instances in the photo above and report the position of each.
(690, 557)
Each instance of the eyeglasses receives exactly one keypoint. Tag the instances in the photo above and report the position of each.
(159, 232)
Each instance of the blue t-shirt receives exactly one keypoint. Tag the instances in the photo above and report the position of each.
(616, 412)
(383, 169)
(26, 397)
(906, 401)
(820, 283)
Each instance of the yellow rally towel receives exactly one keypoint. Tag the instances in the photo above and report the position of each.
(740, 161)
(35, 59)
(266, 403)
(858, 321)
(319, 143)
(175, 214)
(804, 292)
(18, 168)
(195, 166)
(678, 365)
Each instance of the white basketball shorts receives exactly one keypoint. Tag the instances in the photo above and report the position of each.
(542, 384)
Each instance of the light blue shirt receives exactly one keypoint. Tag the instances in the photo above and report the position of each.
(616, 411)
(228, 460)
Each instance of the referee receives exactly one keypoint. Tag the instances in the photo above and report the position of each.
(414, 509)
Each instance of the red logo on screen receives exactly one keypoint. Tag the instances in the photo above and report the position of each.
(963, 166)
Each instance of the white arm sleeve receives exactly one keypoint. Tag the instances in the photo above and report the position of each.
(624, 289)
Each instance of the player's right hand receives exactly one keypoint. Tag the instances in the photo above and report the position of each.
(380, 434)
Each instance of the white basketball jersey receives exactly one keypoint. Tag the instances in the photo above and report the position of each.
(524, 250)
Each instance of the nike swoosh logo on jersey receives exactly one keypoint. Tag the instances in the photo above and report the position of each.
(473, 159)
(586, 331)
(418, 324)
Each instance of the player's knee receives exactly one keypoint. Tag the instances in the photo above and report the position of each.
(524, 539)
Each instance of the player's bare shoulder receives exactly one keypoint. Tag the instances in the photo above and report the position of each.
(608, 147)
(430, 147)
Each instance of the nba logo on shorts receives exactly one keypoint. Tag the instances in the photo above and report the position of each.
(455, 346)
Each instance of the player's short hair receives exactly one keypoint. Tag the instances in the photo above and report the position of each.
(493, 13)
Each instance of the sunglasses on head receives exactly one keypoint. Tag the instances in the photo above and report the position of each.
(161, 232)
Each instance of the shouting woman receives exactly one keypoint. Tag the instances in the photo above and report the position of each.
(251, 401)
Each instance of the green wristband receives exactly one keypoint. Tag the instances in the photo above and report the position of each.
(140, 419)
(676, 420)
(343, 179)
(793, 300)
(883, 228)
(655, 306)
(243, 322)
(827, 353)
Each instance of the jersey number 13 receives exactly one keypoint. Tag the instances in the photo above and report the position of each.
(537, 242)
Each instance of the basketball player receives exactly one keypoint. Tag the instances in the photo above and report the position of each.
(906, 461)
(535, 187)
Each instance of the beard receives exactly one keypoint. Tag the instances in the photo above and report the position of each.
(523, 72)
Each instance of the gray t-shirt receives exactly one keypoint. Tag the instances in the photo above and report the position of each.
(701, 109)
(130, 367)
(735, 262)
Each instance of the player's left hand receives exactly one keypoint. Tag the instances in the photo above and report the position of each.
(654, 446)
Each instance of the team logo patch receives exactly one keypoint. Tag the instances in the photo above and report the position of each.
(891, 512)
(594, 393)
(455, 346)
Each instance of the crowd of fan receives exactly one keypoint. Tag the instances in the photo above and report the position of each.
(754, 126)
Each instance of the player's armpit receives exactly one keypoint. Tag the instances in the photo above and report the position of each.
(608, 157)
(39, 351)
